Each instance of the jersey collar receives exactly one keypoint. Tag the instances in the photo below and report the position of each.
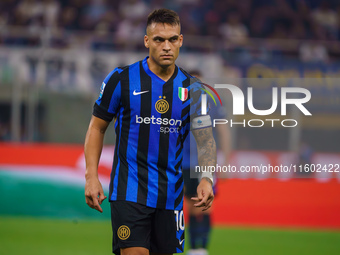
(154, 76)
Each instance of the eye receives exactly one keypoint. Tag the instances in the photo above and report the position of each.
(173, 39)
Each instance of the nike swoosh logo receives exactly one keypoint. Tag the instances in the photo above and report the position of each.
(180, 243)
(138, 93)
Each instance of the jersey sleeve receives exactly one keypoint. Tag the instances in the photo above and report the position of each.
(217, 111)
(107, 105)
(197, 119)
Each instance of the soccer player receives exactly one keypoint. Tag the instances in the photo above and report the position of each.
(199, 221)
(154, 104)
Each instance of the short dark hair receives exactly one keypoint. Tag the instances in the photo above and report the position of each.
(164, 16)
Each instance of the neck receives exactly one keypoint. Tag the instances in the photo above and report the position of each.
(163, 72)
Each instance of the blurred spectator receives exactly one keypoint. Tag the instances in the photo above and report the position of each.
(129, 33)
(51, 12)
(284, 10)
(191, 19)
(68, 18)
(298, 31)
(157, 4)
(313, 52)
(303, 10)
(28, 10)
(258, 24)
(133, 9)
(279, 32)
(93, 13)
(233, 30)
(244, 9)
(234, 20)
(211, 20)
(327, 18)
(7, 8)
(3, 19)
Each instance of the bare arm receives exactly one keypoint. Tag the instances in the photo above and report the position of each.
(94, 194)
(206, 149)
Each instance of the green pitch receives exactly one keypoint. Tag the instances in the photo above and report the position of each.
(36, 236)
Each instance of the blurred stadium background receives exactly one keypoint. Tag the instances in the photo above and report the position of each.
(53, 58)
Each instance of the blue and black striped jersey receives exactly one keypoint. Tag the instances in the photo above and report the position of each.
(152, 122)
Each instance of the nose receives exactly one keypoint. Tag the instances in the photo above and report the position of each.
(166, 45)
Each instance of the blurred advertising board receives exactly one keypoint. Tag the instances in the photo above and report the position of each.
(243, 198)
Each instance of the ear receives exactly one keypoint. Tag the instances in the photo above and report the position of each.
(146, 41)
(180, 40)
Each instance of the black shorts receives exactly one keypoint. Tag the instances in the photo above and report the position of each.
(137, 225)
(190, 184)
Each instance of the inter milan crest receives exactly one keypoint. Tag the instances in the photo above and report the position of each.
(182, 93)
(162, 106)
(123, 232)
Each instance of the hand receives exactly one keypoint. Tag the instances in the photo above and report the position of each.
(94, 194)
(205, 195)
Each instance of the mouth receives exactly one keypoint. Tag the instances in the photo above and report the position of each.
(166, 56)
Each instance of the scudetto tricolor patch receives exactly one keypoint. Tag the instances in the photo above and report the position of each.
(183, 94)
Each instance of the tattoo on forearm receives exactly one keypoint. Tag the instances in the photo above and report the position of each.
(206, 147)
